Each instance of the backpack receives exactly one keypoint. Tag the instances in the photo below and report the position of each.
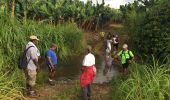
(22, 61)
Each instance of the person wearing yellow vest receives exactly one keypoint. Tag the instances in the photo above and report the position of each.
(126, 57)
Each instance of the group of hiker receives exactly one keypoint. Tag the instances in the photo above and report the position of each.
(32, 55)
(111, 53)
(88, 69)
(29, 62)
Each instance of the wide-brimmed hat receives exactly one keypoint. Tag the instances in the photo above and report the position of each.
(33, 37)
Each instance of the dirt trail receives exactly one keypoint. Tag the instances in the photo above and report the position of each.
(68, 92)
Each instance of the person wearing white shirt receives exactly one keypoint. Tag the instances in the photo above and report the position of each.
(88, 73)
(32, 67)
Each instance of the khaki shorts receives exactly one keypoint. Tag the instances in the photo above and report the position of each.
(31, 77)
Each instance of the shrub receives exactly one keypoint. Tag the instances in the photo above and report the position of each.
(145, 82)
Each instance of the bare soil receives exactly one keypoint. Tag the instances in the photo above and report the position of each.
(67, 92)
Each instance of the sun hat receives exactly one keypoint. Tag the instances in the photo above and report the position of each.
(125, 46)
(33, 37)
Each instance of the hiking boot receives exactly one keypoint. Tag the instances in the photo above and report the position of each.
(32, 94)
(52, 82)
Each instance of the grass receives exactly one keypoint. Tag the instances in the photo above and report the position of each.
(14, 36)
(72, 93)
(145, 82)
(10, 87)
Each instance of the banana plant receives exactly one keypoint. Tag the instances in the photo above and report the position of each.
(3, 7)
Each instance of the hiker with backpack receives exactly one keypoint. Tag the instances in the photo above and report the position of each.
(51, 61)
(126, 57)
(32, 66)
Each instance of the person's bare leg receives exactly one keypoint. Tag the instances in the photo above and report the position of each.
(53, 75)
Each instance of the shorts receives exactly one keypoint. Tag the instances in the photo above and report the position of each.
(30, 77)
(50, 69)
(125, 65)
(115, 45)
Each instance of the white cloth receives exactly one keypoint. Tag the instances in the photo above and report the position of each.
(114, 40)
(32, 53)
(89, 60)
(109, 44)
(108, 52)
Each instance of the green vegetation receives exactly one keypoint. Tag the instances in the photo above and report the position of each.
(14, 37)
(145, 22)
(148, 25)
(71, 93)
(86, 15)
(145, 82)
(10, 87)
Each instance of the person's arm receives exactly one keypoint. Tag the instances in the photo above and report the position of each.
(131, 54)
(48, 55)
(50, 62)
(34, 57)
(36, 63)
(117, 56)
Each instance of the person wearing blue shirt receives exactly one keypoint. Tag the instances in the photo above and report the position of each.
(51, 61)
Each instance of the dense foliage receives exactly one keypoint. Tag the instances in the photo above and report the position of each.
(148, 23)
(145, 82)
(87, 15)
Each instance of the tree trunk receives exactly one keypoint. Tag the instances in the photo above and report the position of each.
(13, 8)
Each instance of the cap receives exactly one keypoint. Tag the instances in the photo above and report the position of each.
(33, 37)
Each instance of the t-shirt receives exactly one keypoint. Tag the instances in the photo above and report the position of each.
(125, 55)
(32, 53)
(115, 40)
(50, 53)
(89, 60)
(109, 44)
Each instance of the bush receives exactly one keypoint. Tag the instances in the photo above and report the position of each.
(147, 23)
(145, 82)
(153, 33)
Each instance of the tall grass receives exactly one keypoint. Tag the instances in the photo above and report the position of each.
(145, 82)
(10, 89)
(14, 35)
